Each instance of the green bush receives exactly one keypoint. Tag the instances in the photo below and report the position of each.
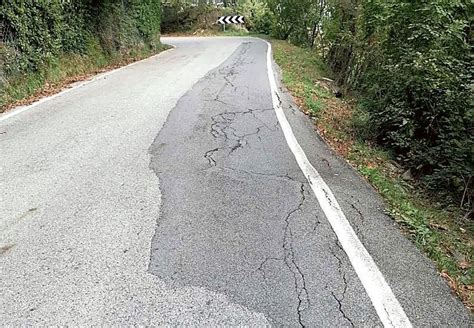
(180, 16)
(410, 60)
(257, 15)
(263, 24)
(36, 30)
(36, 34)
(297, 21)
(41, 30)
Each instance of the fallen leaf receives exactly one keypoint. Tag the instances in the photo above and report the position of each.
(438, 226)
(464, 265)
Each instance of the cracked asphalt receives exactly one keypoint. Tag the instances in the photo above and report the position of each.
(165, 194)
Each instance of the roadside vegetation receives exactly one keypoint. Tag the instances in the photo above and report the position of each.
(405, 120)
(44, 45)
(442, 231)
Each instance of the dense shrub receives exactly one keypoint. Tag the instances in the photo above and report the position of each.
(35, 33)
(410, 60)
(177, 17)
(181, 16)
(296, 21)
(257, 15)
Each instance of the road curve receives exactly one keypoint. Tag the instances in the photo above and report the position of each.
(166, 194)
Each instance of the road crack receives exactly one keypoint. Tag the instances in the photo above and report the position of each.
(208, 155)
(280, 176)
(261, 267)
(359, 212)
(221, 127)
(289, 260)
(340, 299)
(291, 263)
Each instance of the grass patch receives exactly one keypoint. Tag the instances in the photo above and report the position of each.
(57, 74)
(300, 74)
(234, 32)
(441, 232)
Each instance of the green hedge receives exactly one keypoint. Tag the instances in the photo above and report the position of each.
(36, 33)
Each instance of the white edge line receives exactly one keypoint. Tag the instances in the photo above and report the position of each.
(13, 112)
(384, 301)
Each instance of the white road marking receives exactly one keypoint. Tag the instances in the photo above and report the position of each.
(384, 301)
(22, 109)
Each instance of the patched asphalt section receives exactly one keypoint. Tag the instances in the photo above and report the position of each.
(237, 215)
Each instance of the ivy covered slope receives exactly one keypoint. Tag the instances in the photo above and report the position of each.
(45, 43)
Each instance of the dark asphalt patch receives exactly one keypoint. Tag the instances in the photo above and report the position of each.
(237, 216)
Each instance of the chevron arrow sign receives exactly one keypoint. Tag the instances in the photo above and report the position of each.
(224, 20)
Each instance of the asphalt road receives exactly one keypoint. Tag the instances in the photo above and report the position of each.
(166, 194)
